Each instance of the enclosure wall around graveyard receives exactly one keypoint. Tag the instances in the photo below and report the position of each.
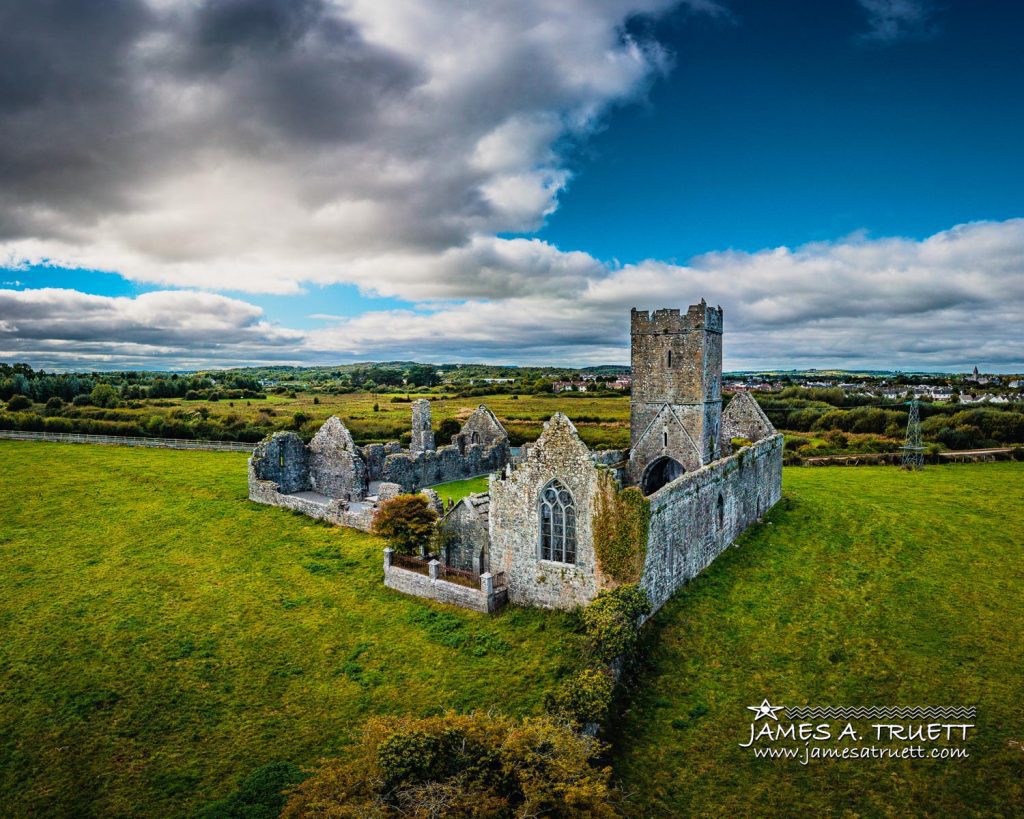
(694, 518)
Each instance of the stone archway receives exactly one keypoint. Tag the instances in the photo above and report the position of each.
(659, 472)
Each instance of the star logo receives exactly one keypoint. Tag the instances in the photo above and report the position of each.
(765, 709)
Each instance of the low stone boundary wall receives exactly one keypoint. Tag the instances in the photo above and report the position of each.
(118, 440)
(965, 456)
(486, 599)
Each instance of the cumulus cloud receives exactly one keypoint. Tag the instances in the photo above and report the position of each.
(260, 145)
(65, 328)
(273, 145)
(891, 20)
(952, 300)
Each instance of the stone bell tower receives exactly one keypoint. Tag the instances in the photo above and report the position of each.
(676, 403)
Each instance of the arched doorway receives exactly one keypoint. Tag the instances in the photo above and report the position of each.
(660, 472)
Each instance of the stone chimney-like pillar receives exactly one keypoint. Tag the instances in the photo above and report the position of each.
(422, 433)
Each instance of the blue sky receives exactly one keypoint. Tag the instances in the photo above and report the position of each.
(333, 182)
(785, 126)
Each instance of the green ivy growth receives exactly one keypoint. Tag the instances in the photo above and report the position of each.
(612, 620)
(620, 530)
(583, 698)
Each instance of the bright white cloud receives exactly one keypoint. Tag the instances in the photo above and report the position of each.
(261, 145)
(951, 300)
(877, 302)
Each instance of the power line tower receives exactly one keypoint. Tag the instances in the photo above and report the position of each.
(913, 449)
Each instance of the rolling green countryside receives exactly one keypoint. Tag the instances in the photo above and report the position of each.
(866, 586)
(164, 637)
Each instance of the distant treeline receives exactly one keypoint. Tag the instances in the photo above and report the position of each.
(40, 386)
(954, 425)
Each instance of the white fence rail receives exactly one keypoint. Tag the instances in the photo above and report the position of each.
(118, 440)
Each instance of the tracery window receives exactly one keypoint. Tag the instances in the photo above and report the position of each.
(557, 524)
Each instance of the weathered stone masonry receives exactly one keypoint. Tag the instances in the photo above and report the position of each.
(534, 529)
(696, 517)
(332, 479)
(558, 455)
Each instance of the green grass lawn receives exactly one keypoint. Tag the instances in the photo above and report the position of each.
(162, 636)
(457, 490)
(870, 586)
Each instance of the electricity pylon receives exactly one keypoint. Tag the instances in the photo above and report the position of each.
(913, 450)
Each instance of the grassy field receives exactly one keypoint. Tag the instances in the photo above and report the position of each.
(870, 586)
(456, 490)
(602, 422)
(163, 636)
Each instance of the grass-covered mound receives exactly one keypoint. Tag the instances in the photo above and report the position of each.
(163, 637)
(871, 586)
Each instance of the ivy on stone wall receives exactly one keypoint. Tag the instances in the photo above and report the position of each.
(620, 530)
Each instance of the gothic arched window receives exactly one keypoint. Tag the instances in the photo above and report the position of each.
(557, 524)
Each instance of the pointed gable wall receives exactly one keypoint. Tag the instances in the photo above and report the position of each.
(559, 454)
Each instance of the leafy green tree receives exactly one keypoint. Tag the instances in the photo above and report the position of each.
(448, 428)
(19, 402)
(407, 521)
(104, 395)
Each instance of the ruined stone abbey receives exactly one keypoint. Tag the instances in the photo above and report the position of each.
(550, 528)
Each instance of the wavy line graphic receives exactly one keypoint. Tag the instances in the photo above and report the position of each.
(900, 712)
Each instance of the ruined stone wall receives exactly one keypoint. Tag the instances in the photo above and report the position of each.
(481, 428)
(282, 459)
(422, 433)
(373, 457)
(336, 468)
(515, 520)
(669, 435)
(479, 448)
(744, 418)
(414, 470)
(694, 518)
(338, 512)
(676, 361)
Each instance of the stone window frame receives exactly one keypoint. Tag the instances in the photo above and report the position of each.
(557, 519)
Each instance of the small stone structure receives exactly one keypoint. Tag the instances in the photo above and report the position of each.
(467, 525)
(531, 538)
